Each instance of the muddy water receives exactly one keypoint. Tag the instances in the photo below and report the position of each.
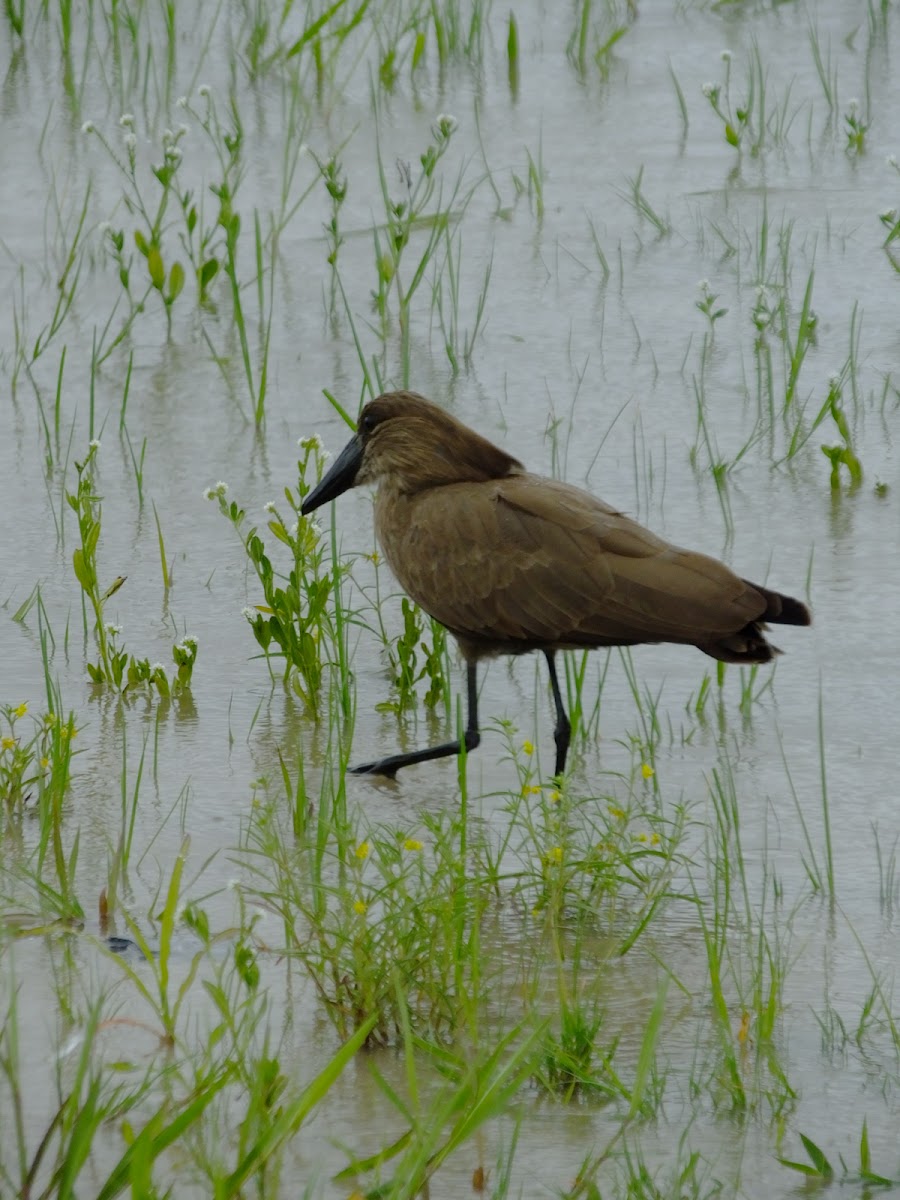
(612, 362)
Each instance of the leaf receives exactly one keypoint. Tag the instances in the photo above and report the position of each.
(817, 1157)
(83, 572)
(156, 268)
(208, 272)
(176, 281)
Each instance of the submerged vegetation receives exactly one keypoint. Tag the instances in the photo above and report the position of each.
(227, 965)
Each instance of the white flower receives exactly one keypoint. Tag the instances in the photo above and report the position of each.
(130, 141)
(834, 381)
(313, 442)
(294, 529)
(87, 127)
(181, 102)
(853, 104)
(104, 227)
(315, 528)
(725, 56)
(889, 215)
(221, 487)
(446, 124)
(303, 150)
(183, 130)
(703, 285)
(168, 136)
(215, 493)
(126, 120)
(203, 90)
(710, 90)
(173, 154)
(190, 642)
(158, 667)
(94, 444)
(269, 506)
(113, 630)
(249, 614)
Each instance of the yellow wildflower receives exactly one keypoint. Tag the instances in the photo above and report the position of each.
(8, 743)
(412, 844)
(640, 837)
(531, 789)
(647, 771)
(21, 709)
(528, 747)
(655, 839)
(362, 850)
(555, 797)
(555, 854)
(45, 763)
(616, 812)
(360, 906)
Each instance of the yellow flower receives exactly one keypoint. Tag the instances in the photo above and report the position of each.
(555, 797)
(531, 789)
(640, 837)
(616, 812)
(360, 906)
(8, 743)
(49, 718)
(647, 771)
(555, 854)
(21, 709)
(655, 839)
(412, 844)
(362, 850)
(528, 747)
(45, 762)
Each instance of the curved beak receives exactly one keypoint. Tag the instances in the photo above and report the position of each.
(340, 478)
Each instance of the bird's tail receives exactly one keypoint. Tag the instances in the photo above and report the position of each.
(749, 645)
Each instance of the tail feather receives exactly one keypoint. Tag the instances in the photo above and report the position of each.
(781, 610)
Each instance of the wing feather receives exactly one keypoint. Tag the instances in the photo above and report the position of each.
(539, 562)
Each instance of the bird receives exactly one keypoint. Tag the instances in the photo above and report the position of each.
(510, 562)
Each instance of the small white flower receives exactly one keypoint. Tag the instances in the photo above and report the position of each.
(315, 528)
(87, 127)
(709, 90)
(168, 136)
(303, 150)
(104, 227)
(233, 885)
(269, 506)
(447, 123)
(113, 630)
(294, 529)
(313, 442)
(183, 130)
(324, 455)
(190, 642)
(703, 285)
(834, 381)
(94, 444)
(130, 141)
(126, 120)
(221, 487)
(726, 56)
(181, 102)
(853, 104)
(762, 293)
(249, 614)
(214, 493)
(158, 667)
(888, 215)
(203, 90)
(173, 154)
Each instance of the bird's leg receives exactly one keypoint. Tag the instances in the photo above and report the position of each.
(563, 730)
(391, 765)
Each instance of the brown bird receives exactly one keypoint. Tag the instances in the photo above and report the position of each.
(512, 562)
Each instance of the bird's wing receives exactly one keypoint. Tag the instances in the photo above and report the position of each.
(528, 559)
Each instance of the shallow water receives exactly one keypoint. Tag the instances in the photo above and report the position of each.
(618, 363)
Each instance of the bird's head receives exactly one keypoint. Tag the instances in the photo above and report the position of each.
(405, 442)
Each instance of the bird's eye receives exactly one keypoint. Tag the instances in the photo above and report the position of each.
(367, 422)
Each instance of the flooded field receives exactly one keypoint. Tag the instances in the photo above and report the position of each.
(648, 248)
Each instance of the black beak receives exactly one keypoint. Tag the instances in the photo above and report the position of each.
(340, 478)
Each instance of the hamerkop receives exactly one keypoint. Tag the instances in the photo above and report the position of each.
(512, 562)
